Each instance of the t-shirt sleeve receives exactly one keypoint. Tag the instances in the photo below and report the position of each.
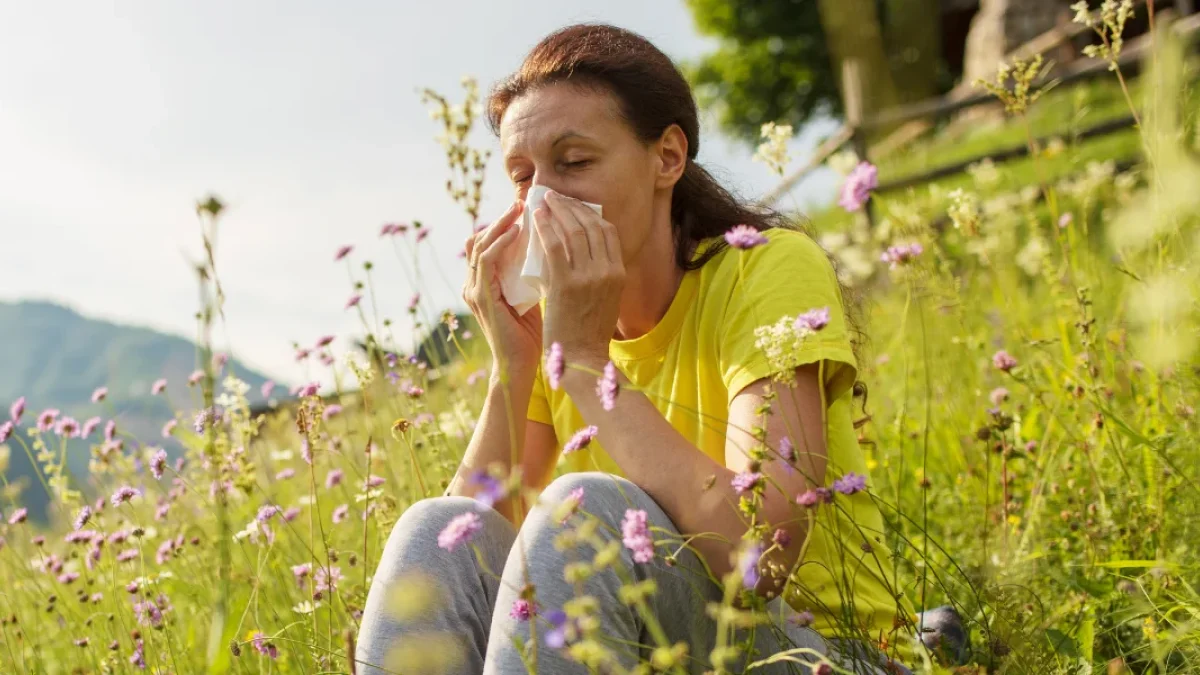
(787, 276)
(539, 405)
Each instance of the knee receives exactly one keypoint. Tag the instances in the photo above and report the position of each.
(597, 488)
(422, 522)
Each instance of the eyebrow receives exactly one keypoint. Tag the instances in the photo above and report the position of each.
(564, 136)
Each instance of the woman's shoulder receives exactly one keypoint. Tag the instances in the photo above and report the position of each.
(785, 249)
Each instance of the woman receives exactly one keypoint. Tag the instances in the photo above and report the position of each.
(598, 114)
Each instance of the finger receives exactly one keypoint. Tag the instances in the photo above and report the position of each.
(612, 243)
(552, 244)
(491, 255)
(573, 233)
(591, 227)
(503, 224)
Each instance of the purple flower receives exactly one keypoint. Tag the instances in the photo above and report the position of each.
(749, 566)
(6, 431)
(85, 514)
(148, 614)
(555, 365)
(781, 538)
(138, 659)
(309, 389)
(127, 555)
(333, 478)
(300, 572)
(636, 535)
(746, 481)
(459, 530)
(850, 483)
(354, 300)
(813, 320)
(1002, 360)
(580, 440)
(110, 430)
(374, 481)
(340, 513)
(18, 516)
(306, 451)
(267, 387)
(393, 228)
(414, 391)
(100, 394)
(998, 395)
(811, 498)
(522, 609)
(67, 427)
(787, 452)
(159, 386)
(802, 619)
(290, 514)
(302, 354)
(326, 580)
(45, 421)
(342, 253)
(259, 641)
(571, 504)
(857, 188)
(195, 378)
(491, 489)
(168, 428)
(67, 577)
(331, 410)
(89, 426)
(563, 630)
(744, 237)
(285, 474)
(266, 512)
(17, 409)
(607, 387)
(81, 536)
(895, 256)
(421, 234)
(158, 463)
(205, 419)
(324, 341)
(124, 494)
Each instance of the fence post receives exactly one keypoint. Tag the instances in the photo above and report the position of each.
(852, 100)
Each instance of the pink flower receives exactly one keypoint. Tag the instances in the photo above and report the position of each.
(110, 430)
(17, 409)
(67, 577)
(285, 474)
(127, 555)
(902, 254)
(850, 483)
(1066, 219)
(124, 494)
(744, 237)
(324, 341)
(580, 440)
(340, 513)
(290, 514)
(219, 361)
(459, 531)
(412, 304)
(522, 610)
(1002, 360)
(813, 320)
(555, 365)
(572, 504)
(636, 535)
(331, 410)
(354, 300)
(18, 516)
(857, 188)
(85, 514)
(303, 353)
(89, 426)
(45, 421)
(607, 387)
(374, 481)
(781, 538)
(67, 427)
(159, 386)
(746, 482)
(158, 463)
(802, 619)
(333, 478)
(342, 253)
(195, 377)
(301, 571)
(421, 234)
(262, 646)
(998, 395)
(326, 579)
(100, 394)
(267, 387)
(309, 389)
(168, 428)
(6, 431)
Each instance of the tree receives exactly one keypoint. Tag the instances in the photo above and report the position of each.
(780, 60)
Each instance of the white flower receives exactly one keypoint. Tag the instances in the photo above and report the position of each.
(305, 607)
(782, 343)
(774, 151)
(281, 455)
(1030, 257)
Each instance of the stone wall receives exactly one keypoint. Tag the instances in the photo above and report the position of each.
(1003, 25)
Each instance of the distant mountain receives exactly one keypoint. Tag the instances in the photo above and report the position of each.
(56, 358)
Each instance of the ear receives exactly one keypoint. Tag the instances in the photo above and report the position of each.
(671, 153)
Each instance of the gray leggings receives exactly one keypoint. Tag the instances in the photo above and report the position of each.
(481, 581)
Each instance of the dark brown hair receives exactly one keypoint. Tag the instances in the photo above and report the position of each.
(652, 95)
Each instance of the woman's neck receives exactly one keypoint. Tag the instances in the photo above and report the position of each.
(651, 282)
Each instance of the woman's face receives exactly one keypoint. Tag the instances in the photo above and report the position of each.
(574, 141)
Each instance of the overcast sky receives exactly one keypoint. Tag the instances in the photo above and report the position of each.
(303, 116)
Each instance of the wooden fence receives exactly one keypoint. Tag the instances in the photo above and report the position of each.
(910, 121)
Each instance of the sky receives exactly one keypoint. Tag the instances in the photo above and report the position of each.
(304, 117)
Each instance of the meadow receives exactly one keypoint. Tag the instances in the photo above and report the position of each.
(1030, 430)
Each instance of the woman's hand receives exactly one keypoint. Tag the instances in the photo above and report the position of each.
(586, 277)
(515, 340)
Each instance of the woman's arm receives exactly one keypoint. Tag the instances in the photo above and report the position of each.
(673, 471)
(504, 436)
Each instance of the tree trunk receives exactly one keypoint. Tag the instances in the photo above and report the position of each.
(852, 32)
(914, 45)
(1003, 25)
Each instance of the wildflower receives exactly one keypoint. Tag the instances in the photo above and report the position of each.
(306, 451)
(85, 514)
(290, 514)
(309, 389)
(89, 426)
(746, 481)
(342, 253)
(781, 538)
(374, 481)
(300, 572)
(138, 659)
(354, 300)
(100, 394)
(18, 516)
(340, 513)
(1002, 360)
(158, 463)
(787, 452)
(421, 234)
(259, 641)
(414, 391)
(219, 361)
(744, 237)
(459, 531)
(850, 483)
(412, 303)
(607, 387)
(331, 410)
(45, 421)
(67, 577)
(491, 489)
(1031, 446)
(749, 565)
(159, 386)
(124, 494)
(16, 410)
(81, 642)
(774, 151)
(206, 419)
(811, 498)
(896, 256)
(326, 580)
(6, 431)
(110, 431)
(77, 536)
(168, 428)
(998, 395)
(813, 320)
(285, 474)
(148, 614)
(802, 619)
(67, 427)
(570, 505)
(636, 535)
(333, 478)
(964, 211)
(563, 630)
(302, 354)
(267, 388)
(1065, 220)
(304, 607)
(522, 609)
(127, 555)
(857, 188)
(195, 378)
(555, 365)
(266, 512)
(580, 440)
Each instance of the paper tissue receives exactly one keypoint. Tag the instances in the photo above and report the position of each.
(522, 269)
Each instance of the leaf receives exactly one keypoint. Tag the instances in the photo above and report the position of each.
(1087, 636)
(1062, 643)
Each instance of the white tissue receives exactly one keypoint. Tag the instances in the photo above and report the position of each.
(522, 269)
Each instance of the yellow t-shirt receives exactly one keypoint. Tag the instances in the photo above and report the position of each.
(702, 354)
